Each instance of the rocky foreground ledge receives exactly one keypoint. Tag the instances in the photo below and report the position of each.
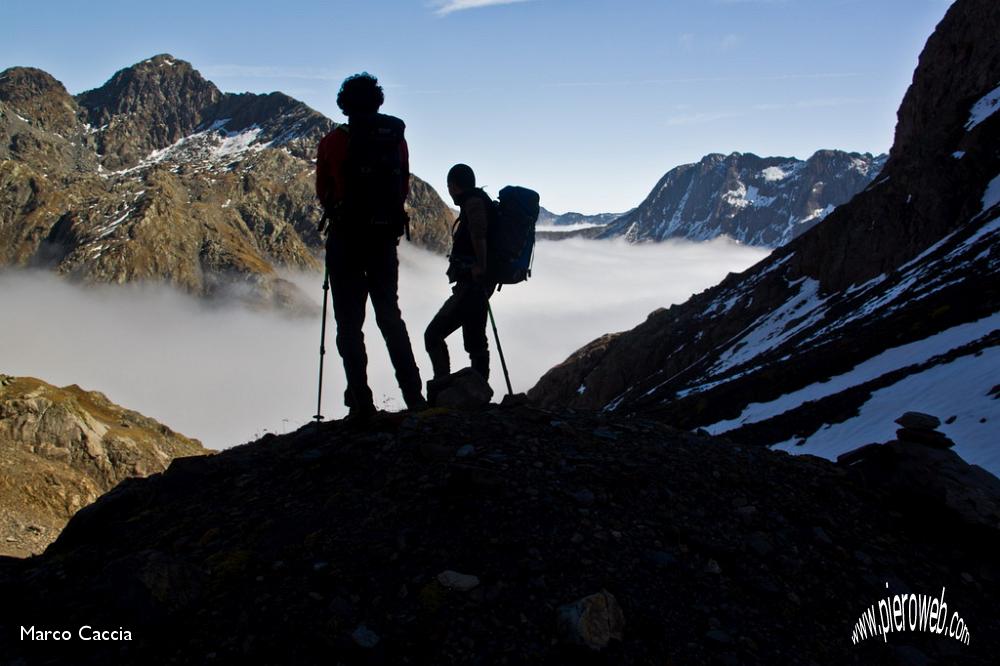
(513, 535)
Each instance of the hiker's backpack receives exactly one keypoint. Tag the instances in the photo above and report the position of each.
(510, 241)
(374, 173)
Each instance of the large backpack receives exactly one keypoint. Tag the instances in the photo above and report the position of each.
(511, 236)
(374, 173)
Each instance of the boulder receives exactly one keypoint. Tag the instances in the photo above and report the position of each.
(458, 581)
(592, 621)
(465, 389)
(930, 479)
(931, 438)
(918, 421)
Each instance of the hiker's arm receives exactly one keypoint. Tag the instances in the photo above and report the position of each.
(322, 178)
(404, 161)
(329, 168)
(475, 213)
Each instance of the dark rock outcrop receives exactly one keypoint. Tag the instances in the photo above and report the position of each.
(924, 478)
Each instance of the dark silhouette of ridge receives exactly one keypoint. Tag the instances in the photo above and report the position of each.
(327, 545)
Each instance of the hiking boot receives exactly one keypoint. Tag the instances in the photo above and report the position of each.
(361, 414)
(434, 387)
(416, 403)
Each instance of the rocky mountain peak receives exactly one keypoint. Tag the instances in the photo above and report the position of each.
(38, 98)
(964, 43)
(170, 181)
(934, 179)
(147, 106)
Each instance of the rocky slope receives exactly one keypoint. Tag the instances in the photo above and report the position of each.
(158, 176)
(756, 200)
(894, 296)
(513, 535)
(62, 448)
(548, 218)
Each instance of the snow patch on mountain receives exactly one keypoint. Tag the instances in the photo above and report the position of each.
(983, 109)
(773, 174)
(961, 389)
(209, 147)
(992, 195)
(794, 315)
(877, 366)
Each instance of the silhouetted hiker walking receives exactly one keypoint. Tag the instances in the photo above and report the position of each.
(362, 180)
(467, 306)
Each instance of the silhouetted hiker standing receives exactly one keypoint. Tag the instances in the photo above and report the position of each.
(466, 308)
(362, 180)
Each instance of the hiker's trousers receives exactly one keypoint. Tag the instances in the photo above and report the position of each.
(359, 268)
(466, 308)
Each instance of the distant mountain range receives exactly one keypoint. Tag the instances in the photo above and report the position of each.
(764, 201)
(159, 176)
(892, 302)
(548, 218)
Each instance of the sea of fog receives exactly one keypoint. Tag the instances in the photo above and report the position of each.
(226, 374)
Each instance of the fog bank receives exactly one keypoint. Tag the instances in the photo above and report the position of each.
(225, 374)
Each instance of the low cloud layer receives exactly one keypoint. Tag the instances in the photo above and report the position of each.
(226, 375)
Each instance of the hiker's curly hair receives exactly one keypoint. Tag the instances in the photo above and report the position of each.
(360, 94)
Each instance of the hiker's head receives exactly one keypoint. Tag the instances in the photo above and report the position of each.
(461, 179)
(360, 94)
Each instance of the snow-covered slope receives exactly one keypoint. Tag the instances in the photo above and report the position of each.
(891, 304)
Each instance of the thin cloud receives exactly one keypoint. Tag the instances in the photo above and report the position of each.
(702, 79)
(701, 118)
(445, 7)
(820, 103)
(730, 42)
(270, 72)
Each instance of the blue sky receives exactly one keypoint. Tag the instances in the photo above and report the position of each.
(587, 101)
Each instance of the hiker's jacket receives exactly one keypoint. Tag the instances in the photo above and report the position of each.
(331, 156)
(476, 208)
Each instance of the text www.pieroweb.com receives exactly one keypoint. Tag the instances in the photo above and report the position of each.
(909, 612)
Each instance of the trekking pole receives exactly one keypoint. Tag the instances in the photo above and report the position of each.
(503, 362)
(322, 346)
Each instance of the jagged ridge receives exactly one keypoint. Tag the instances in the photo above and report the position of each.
(755, 200)
(158, 176)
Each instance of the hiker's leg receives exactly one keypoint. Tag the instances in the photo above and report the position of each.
(350, 294)
(445, 322)
(474, 330)
(383, 283)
